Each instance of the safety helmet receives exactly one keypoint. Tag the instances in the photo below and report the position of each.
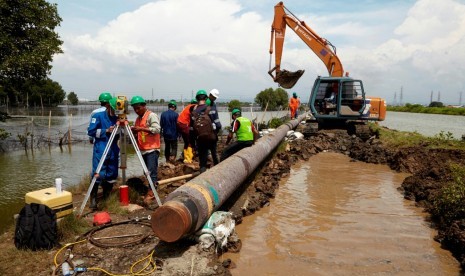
(215, 93)
(105, 97)
(294, 94)
(201, 94)
(137, 100)
(112, 102)
(172, 103)
(236, 111)
(193, 101)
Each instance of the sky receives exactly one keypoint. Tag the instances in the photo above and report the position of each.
(406, 51)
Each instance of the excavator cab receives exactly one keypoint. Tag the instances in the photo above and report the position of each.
(337, 98)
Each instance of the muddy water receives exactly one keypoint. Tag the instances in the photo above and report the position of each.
(336, 217)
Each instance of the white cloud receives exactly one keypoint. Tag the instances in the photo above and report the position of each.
(176, 46)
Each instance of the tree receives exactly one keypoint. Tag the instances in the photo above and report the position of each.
(27, 43)
(44, 92)
(234, 104)
(73, 98)
(436, 104)
(274, 98)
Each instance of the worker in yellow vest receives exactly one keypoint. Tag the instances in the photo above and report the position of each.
(246, 134)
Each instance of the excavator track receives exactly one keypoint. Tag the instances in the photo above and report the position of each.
(310, 129)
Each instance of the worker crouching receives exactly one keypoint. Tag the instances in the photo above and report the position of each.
(246, 134)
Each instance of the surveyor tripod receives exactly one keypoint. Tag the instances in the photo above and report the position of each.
(126, 130)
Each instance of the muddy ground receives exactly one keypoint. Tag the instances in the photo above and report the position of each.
(428, 168)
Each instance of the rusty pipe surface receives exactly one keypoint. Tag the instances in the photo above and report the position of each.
(187, 208)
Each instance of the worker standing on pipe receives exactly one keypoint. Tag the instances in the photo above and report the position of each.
(245, 132)
(294, 104)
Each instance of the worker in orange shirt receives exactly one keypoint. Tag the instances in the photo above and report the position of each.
(183, 126)
(294, 104)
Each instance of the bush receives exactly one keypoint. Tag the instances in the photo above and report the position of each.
(450, 203)
(275, 123)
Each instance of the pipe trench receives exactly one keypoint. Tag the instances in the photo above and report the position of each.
(187, 208)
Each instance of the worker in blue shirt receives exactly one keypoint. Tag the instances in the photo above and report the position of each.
(100, 128)
(168, 120)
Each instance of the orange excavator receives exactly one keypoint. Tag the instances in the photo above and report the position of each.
(337, 101)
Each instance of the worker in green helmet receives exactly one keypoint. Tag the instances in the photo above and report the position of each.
(205, 129)
(101, 126)
(245, 131)
(147, 132)
(104, 100)
(168, 123)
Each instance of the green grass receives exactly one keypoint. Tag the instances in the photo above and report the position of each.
(417, 108)
(71, 226)
(449, 205)
(112, 205)
(394, 138)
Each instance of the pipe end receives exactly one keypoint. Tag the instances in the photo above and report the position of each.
(171, 221)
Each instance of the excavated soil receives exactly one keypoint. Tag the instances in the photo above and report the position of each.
(429, 169)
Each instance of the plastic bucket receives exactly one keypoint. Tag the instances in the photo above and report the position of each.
(124, 195)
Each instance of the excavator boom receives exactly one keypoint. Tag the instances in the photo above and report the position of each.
(320, 46)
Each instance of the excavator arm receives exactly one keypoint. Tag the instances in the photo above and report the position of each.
(320, 46)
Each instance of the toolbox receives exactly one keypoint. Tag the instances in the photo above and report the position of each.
(61, 203)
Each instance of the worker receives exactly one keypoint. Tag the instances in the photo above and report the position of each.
(209, 143)
(294, 104)
(100, 128)
(147, 128)
(104, 100)
(168, 121)
(246, 134)
(183, 126)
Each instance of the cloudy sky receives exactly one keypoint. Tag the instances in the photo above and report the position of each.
(169, 49)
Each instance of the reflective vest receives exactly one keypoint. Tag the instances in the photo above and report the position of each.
(146, 140)
(244, 133)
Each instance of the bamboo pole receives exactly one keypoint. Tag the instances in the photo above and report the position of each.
(69, 130)
(49, 124)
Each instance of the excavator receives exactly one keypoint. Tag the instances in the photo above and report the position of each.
(336, 101)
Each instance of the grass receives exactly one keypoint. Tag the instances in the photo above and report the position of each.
(71, 226)
(449, 205)
(394, 138)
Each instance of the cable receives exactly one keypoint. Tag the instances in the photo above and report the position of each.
(127, 243)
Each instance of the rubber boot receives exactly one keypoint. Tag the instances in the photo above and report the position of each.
(187, 156)
(93, 197)
(107, 188)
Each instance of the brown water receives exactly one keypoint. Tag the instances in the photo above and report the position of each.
(336, 217)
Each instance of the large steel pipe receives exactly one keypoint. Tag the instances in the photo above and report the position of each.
(188, 208)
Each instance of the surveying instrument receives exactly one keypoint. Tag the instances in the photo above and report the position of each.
(122, 126)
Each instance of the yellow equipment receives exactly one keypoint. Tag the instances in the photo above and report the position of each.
(61, 203)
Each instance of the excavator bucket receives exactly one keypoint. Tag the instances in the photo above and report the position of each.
(287, 79)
